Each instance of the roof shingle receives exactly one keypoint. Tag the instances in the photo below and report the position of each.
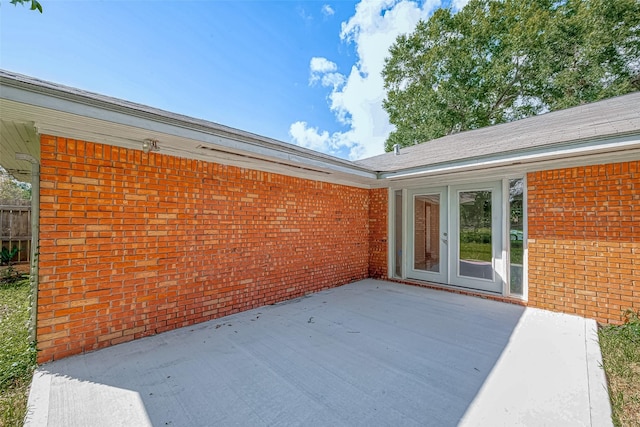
(611, 117)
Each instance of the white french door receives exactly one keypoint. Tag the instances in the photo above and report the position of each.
(454, 236)
(427, 230)
(476, 236)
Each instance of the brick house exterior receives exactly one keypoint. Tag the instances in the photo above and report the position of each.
(584, 240)
(217, 221)
(133, 244)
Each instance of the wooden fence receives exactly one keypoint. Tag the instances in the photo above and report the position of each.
(15, 228)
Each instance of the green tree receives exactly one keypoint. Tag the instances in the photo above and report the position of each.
(500, 60)
(35, 5)
(10, 189)
(595, 52)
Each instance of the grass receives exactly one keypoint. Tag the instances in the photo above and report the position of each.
(475, 251)
(620, 347)
(18, 356)
(482, 251)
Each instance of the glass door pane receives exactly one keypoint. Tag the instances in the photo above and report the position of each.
(516, 235)
(426, 237)
(475, 233)
(476, 237)
(427, 241)
(398, 233)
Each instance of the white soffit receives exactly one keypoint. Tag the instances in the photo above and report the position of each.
(18, 137)
(62, 117)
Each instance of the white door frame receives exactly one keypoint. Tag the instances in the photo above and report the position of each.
(411, 272)
(496, 282)
(450, 236)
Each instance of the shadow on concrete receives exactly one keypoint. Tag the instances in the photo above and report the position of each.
(365, 354)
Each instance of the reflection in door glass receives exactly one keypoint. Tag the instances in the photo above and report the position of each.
(476, 251)
(516, 235)
(427, 233)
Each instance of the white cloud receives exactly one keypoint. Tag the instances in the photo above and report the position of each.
(334, 80)
(322, 70)
(458, 4)
(356, 98)
(327, 10)
(322, 65)
(314, 139)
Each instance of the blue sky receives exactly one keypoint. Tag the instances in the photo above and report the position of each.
(305, 72)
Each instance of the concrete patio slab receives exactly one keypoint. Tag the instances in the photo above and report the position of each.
(371, 353)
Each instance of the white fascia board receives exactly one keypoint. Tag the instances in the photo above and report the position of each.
(170, 126)
(571, 154)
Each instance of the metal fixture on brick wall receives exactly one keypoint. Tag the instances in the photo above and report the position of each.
(150, 145)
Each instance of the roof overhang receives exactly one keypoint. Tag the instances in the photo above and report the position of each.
(574, 153)
(29, 108)
(17, 137)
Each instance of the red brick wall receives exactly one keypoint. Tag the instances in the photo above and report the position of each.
(378, 212)
(584, 240)
(134, 244)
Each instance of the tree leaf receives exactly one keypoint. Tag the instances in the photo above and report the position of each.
(501, 60)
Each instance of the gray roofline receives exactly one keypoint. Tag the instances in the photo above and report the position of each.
(552, 132)
(588, 146)
(43, 94)
(99, 104)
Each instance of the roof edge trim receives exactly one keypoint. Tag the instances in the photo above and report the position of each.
(27, 90)
(540, 154)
